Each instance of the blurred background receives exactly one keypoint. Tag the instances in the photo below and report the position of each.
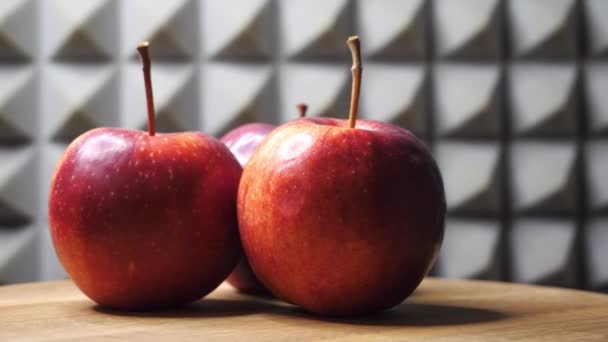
(512, 96)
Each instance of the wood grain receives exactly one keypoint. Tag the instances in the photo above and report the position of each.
(451, 310)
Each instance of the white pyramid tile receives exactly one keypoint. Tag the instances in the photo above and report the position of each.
(467, 100)
(247, 32)
(543, 177)
(471, 174)
(325, 88)
(395, 94)
(596, 85)
(17, 30)
(596, 253)
(169, 25)
(543, 99)
(467, 28)
(18, 185)
(81, 30)
(543, 28)
(80, 97)
(19, 257)
(400, 34)
(597, 171)
(315, 28)
(18, 121)
(544, 251)
(459, 260)
(174, 90)
(235, 94)
(597, 26)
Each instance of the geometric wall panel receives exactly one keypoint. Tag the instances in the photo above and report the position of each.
(468, 29)
(543, 28)
(17, 31)
(459, 259)
(596, 83)
(596, 240)
(597, 172)
(235, 94)
(18, 120)
(401, 34)
(315, 29)
(597, 27)
(470, 190)
(250, 34)
(543, 100)
(544, 251)
(544, 179)
(468, 100)
(511, 95)
(169, 25)
(396, 94)
(81, 30)
(324, 88)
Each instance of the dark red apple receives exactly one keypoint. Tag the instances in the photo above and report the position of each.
(341, 217)
(142, 220)
(243, 141)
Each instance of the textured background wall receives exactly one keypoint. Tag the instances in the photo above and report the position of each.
(512, 95)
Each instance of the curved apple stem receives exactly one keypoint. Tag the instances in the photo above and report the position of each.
(357, 69)
(302, 108)
(144, 54)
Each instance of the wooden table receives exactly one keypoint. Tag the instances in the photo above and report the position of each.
(440, 309)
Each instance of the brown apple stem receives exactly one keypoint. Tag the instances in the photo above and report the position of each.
(357, 69)
(144, 54)
(302, 108)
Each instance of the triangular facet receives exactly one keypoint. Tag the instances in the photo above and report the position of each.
(10, 52)
(80, 46)
(9, 134)
(249, 35)
(326, 40)
(18, 31)
(76, 124)
(18, 114)
(476, 33)
(400, 34)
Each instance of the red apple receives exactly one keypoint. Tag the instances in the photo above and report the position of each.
(144, 220)
(243, 141)
(341, 217)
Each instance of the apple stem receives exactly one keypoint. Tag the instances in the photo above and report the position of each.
(302, 108)
(355, 49)
(144, 54)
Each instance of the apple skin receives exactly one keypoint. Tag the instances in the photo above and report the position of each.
(242, 142)
(341, 221)
(144, 222)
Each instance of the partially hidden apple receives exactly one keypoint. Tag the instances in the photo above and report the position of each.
(341, 217)
(243, 141)
(141, 220)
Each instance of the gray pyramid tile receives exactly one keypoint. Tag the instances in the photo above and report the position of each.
(544, 251)
(466, 29)
(596, 85)
(596, 253)
(19, 255)
(471, 174)
(543, 99)
(397, 94)
(18, 185)
(597, 171)
(17, 30)
(401, 34)
(248, 35)
(18, 104)
(471, 249)
(467, 100)
(316, 29)
(544, 177)
(543, 28)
